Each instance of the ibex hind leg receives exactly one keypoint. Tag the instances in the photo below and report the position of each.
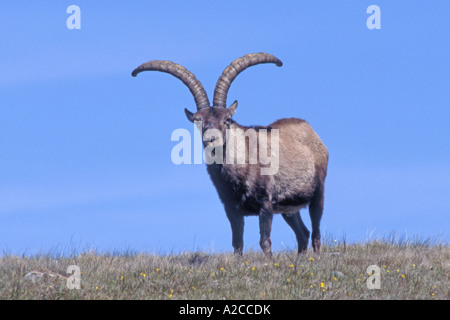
(294, 220)
(315, 213)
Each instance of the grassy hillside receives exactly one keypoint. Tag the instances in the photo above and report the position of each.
(408, 271)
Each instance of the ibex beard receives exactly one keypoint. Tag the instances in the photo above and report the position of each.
(257, 170)
(250, 147)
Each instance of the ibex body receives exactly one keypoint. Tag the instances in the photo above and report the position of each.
(301, 160)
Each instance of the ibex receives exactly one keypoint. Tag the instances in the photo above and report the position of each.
(244, 191)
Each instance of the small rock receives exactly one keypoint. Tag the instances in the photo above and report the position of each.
(334, 254)
(198, 259)
(338, 274)
(35, 275)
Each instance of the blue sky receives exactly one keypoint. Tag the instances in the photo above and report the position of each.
(85, 148)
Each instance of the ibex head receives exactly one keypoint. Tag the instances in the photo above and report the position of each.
(217, 116)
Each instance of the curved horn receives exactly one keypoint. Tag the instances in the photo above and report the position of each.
(236, 67)
(194, 85)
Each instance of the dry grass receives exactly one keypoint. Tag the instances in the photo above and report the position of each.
(408, 271)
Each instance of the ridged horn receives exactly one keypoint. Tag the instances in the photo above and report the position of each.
(180, 72)
(236, 67)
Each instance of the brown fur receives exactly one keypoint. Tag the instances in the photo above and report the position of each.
(299, 182)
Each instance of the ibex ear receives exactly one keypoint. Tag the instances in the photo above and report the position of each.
(233, 107)
(189, 115)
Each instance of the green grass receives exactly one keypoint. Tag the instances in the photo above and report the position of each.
(408, 271)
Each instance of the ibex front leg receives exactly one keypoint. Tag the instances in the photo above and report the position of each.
(265, 226)
(237, 229)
